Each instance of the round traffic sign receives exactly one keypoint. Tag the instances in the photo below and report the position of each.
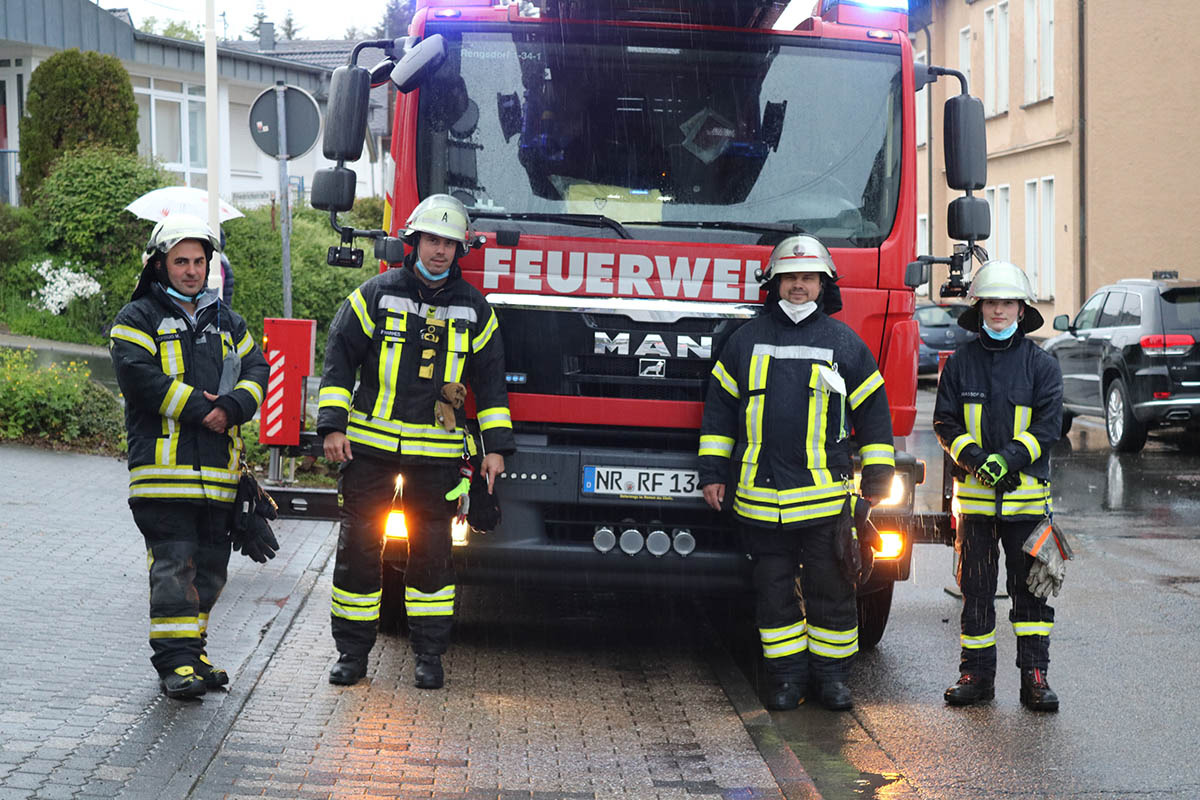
(301, 114)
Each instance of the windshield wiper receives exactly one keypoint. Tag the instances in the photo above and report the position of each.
(584, 220)
(725, 225)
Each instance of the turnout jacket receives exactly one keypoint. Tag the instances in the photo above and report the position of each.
(1000, 401)
(783, 403)
(403, 341)
(164, 364)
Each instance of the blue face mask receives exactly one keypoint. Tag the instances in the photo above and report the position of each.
(429, 276)
(1000, 336)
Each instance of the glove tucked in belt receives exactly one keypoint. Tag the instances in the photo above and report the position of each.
(1051, 551)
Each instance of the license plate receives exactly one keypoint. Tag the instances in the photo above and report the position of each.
(641, 482)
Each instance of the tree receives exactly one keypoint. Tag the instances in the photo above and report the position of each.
(148, 25)
(288, 28)
(397, 14)
(181, 30)
(75, 100)
(354, 34)
(260, 16)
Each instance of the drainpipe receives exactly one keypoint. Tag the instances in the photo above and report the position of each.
(1081, 20)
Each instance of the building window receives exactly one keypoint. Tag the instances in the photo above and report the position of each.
(922, 105)
(995, 59)
(998, 243)
(1039, 50)
(171, 126)
(1039, 235)
(243, 152)
(964, 54)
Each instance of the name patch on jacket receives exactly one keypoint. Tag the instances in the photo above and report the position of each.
(968, 394)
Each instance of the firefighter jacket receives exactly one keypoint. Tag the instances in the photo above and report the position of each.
(1000, 401)
(164, 364)
(783, 403)
(403, 341)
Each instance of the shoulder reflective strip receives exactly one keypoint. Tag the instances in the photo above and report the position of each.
(378, 440)
(725, 379)
(1032, 628)
(497, 417)
(866, 389)
(795, 352)
(817, 421)
(711, 445)
(134, 336)
(1021, 417)
(485, 335)
(973, 415)
(359, 304)
(960, 443)
(253, 388)
(978, 642)
(1031, 444)
(245, 345)
(175, 399)
(389, 366)
(786, 632)
(334, 397)
(877, 454)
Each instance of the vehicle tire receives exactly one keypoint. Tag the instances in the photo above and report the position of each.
(393, 618)
(1125, 433)
(873, 610)
(1067, 419)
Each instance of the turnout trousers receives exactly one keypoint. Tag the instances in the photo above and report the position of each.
(978, 541)
(367, 493)
(804, 607)
(187, 557)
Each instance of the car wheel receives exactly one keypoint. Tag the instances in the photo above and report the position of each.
(1125, 433)
(1068, 418)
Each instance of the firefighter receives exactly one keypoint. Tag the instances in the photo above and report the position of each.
(411, 337)
(788, 393)
(998, 412)
(191, 375)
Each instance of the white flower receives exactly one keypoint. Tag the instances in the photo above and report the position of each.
(63, 284)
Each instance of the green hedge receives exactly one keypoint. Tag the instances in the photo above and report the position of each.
(59, 404)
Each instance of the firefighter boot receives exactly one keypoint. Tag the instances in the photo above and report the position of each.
(213, 677)
(348, 670)
(972, 687)
(1036, 694)
(428, 674)
(784, 695)
(182, 683)
(835, 696)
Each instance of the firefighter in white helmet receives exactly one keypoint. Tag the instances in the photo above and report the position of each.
(191, 375)
(411, 339)
(790, 392)
(998, 412)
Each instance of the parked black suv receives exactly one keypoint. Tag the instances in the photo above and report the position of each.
(1132, 356)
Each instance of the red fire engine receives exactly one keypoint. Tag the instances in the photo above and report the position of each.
(628, 165)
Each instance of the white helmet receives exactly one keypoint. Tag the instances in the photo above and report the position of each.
(440, 215)
(1001, 280)
(174, 228)
(801, 253)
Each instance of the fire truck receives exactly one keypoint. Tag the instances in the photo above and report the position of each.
(628, 166)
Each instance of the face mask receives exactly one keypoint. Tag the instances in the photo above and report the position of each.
(429, 276)
(797, 312)
(1000, 336)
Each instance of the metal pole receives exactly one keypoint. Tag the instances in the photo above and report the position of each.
(212, 145)
(285, 211)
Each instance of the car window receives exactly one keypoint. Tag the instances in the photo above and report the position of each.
(1181, 309)
(1086, 318)
(934, 317)
(1131, 312)
(1111, 315)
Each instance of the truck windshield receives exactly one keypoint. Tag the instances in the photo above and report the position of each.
(654, 126)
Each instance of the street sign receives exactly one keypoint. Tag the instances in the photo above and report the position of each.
(301, 114)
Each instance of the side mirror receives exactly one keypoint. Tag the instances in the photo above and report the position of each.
(965, 139)
(916, 274)
(346, 117)
(969, 218)
(1062, 323)
(418, 62)
(389, 249)
(333, 189)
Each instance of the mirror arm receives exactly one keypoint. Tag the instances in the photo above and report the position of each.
(382, 44)
(936, 72)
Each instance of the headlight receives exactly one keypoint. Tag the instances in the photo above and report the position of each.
(899, 495)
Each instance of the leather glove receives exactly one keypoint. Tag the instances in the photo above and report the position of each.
(846, 548)
(992, 469)
(1008, 483)
(1050, 550)
(250, 532)
(869, 540)
(258, 543)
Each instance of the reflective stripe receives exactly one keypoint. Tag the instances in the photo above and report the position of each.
(372, 439)
(973, 415)
(253, 388)
(182, 491)
(713, 445)
(359, 304)
(456, 350)
(175, 399)
(389, 364)
(165, 481)
(818, 414)
(877, 454)
(959, 444)
(497, 417)
(794, 352)
(174, 628)
(725, 379)
(831, 643)
(755, 405)
(355, 607)
(134, 336)
(429, 604)
(334, 397)
(166, 449)
(202, 622)
(1021, 418)
(786, 641)
(245, 345)
(170, 353)
(485, 335)
(1032, 628)
(1031, 444)
(425, 310)
(865, 389)
(169, 472)
(979, 642)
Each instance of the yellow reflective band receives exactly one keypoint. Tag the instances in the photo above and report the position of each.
(725, 379)
(429, 604)
(1032, 628)
(865, 389)
(1021, 418)
(334, 397)
(408, 447)
(405, 429)
(355, 613)
(175, 399)
(359, 304)
(245, 345)
(809, 493)
(811, 511)
(372, 439)
(166, 449)
(174, 628)
(960, 443)
(170, 472)
(485, 335)
(389, 365)
(786, 632)
(255, 390)
(171, 355)
(712, 445)
(497, 417)
(818, 413)
(973, 415)
(877, 454)
(134, 336)
(202, 622)
(760, 513)
(979, 642)
(787, 647)
(353, 598)
(831, 643)
(1031, 444)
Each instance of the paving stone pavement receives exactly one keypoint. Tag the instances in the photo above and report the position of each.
(548, 695)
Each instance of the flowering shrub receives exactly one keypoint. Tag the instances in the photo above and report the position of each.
(57, 404)
(63, 284)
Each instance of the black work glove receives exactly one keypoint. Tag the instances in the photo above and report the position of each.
(259, 543)
(846, 548)
(250, 532)
(483, 509)
(869, 539)
(1008, 483)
